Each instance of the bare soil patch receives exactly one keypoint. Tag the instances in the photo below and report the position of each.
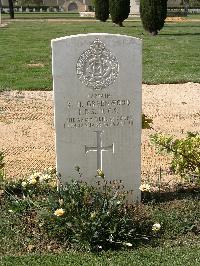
(27, 131)
(33, 65)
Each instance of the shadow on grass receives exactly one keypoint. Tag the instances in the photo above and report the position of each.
(179, 194)
(179, 34)
(180, 25)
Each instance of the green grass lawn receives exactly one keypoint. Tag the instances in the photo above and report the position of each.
(43, 15)
(171, 57)
(178, 256)
(193, 16)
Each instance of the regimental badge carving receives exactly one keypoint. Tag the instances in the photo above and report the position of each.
(97, 68)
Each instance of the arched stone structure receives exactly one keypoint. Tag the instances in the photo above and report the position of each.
(72, 7)
(75, 5)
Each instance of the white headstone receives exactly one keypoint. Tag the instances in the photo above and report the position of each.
(97, 96)
(135, 7)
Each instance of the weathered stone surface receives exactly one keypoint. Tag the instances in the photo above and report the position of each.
(97, 95)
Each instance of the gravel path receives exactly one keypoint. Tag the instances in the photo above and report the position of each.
(27, 133)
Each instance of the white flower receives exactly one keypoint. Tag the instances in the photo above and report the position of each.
(24, 184)
(33, 178)
(156, 227)
(128, 244)
(145, 188)
(61, 202)
(36, 174)
(44, 177)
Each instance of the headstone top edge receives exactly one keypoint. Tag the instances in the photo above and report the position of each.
(95, 35)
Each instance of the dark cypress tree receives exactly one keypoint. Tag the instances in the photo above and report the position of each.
(119, 10)
(11, 9)
(153, 14)
(102, 10)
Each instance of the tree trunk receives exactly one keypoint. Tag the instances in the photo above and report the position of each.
(154, 33)
(120, 24)
(186, 5)
(11, 9)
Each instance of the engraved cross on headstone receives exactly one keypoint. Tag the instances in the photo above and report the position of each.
(99, 149)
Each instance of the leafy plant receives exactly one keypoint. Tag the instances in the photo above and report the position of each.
(94, 218)
(38, 218)
(146, 122)
(185, 154)
(2, 164)
(23, 195)
(77, 215)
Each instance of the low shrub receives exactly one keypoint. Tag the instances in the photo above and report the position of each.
(1, 164)
(185, 154)
(146, 122)
(95, 218)
(78, 215)
(36, 217)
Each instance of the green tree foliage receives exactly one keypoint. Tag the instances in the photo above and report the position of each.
(30, 2)
(102, 10)
(11, 9)
(153, 14)
(191, 3)
(185, 154)
(119, 10)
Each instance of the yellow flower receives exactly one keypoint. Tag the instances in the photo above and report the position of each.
(93, 215)
(156, 227)
(53, 184)
(145, 188)
(32, 181)
(59, 212)
(100, 173)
